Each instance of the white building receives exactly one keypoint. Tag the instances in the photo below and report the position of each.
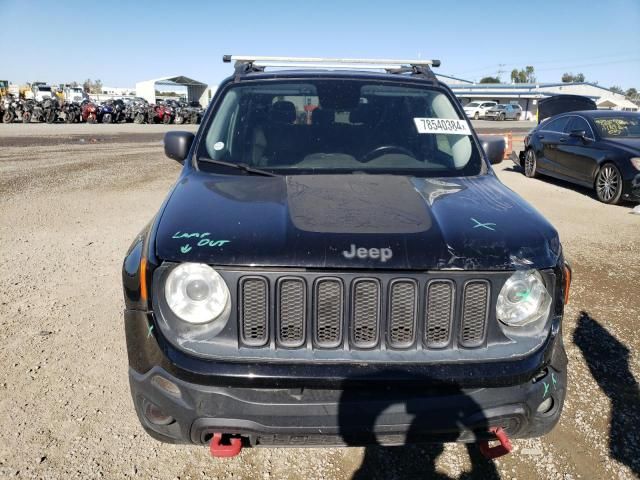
(194, 90)
(118, 91)
(527, 94)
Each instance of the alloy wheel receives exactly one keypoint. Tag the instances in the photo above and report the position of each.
(608, 183)
(530, 164)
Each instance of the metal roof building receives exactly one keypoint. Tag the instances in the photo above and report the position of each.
(195, 90)
(527, 94)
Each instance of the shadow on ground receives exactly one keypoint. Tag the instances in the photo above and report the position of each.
(364, 413)
(587, 192)
(608, 361)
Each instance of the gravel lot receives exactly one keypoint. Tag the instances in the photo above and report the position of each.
(72, 198)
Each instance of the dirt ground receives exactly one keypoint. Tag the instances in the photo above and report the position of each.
(71, 201)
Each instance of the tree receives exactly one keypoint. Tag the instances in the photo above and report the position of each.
(616, 89)
(90, 86)
(523, 76)
(632, 93)
(490, 80)
(570, 77)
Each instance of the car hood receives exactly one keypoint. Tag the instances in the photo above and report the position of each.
(354, 221)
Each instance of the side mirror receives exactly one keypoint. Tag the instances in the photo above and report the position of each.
(177, 145)
(581, 134)
(493, 147)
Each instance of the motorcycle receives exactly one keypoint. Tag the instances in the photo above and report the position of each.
(105, 112)
(8, 109)
(140, 111)
(89, 112)
(72, 112)
(119, 111)
(32, 110)
(50, 107)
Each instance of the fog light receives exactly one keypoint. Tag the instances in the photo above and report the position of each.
(155, 415)
(546, 406)
(167, 385)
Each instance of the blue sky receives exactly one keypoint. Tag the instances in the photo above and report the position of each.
(121, 42)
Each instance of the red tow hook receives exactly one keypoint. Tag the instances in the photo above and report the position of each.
(219, 450)
(499, 450)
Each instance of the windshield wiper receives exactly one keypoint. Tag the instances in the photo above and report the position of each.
(239, 166)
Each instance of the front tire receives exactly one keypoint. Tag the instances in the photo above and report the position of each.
(26, 117)
(517, 117)
(530, 164)
(166, 119)
(476, 116)
(609, 184)
(501, 117)
(8, 117)
(51, 117)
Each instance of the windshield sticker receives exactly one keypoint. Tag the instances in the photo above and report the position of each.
(488, 226)
(442, 125)
(382, 254)
(218, 146)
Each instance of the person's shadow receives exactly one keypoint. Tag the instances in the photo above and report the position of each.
(367, 417)
(608, 361)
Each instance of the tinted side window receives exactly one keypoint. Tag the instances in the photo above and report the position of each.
(579, 123)
(556, 125)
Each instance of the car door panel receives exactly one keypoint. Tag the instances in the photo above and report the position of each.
(578, 158)
(550, 135)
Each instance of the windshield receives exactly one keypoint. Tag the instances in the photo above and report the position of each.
(618, 126)
(472, 104)
(336, 126)
(44, 89)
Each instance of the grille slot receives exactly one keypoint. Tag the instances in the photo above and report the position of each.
(402, 313)
(329, 308)
(292, 312)
(366, 313)
(254, 313)
(438, 313)
(474, 313)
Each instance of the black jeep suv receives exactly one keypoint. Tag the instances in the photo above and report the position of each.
(338, 264)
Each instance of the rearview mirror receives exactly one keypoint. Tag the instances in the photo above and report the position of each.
(578, 134)
(177, 145)
(493, 147)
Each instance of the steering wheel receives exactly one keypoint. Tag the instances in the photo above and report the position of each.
(383, 150)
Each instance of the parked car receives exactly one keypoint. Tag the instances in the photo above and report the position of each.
(598, 149)
(342, 282)
(505, 111)
(477, 110)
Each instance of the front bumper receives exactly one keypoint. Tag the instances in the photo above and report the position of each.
(358, 406)
(351, 415)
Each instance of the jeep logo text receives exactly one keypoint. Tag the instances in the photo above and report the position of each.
(383, 254)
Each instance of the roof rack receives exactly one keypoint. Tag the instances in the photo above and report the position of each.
(252, 63)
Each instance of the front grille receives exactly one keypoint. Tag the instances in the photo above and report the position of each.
(474, 313)
(254, 311)
(439, 313)
(366, 313)
(329, 305)
(402, 313)
(292, 312)
(315, 311)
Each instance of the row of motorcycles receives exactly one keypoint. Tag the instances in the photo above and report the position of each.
(51, 110)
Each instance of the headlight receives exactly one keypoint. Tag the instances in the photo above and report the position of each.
(635, 161)
(523, 299)
(196, 293)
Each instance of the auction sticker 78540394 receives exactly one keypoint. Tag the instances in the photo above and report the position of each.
(448, 126)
